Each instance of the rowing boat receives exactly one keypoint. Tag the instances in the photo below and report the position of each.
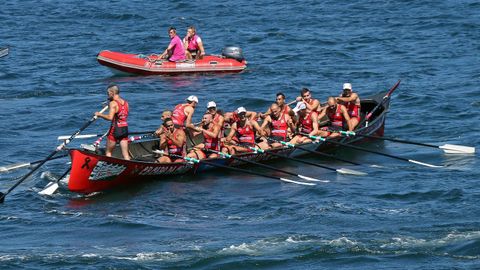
(92, 171)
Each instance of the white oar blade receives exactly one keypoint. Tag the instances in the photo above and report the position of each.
(13, 167)
(312, 179)
(457, 149)
(85, 136)
(50, 188)
(350, 171)
(424, 164)
(297, 182)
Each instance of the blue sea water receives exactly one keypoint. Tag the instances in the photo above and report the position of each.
(399, 216)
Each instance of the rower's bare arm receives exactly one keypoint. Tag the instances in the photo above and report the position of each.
(345, 113)
(322, 114)
(221, 121)
(290, 123)
(265, 122)
(212, 133)
(257, 127)
(251, 115)
(314, 118)
(188, 122)
(352, 97)
(112, 110)
(233, 129)
(314, 105)
(179, 139)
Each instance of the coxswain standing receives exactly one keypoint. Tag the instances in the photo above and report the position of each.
(172, 142)
(211, 141)
(307, 123)
(337, 114)
(351, 101)
(118, 114)
(278, 123)
(242, 132)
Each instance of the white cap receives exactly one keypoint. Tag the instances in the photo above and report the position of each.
(211, 104)
(300, 106)
(241, 110)
(193, 98)
(347, 86)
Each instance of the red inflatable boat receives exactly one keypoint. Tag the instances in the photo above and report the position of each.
(150, 64)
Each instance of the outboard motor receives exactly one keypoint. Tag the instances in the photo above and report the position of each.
(233, 52)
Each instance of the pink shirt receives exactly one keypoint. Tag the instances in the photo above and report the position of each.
(177, 48)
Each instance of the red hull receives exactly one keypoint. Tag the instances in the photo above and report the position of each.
(148, 65)
(91, 172)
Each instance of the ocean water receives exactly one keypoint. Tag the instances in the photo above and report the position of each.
(399, 216)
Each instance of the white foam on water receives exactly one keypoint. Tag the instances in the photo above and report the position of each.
(149, 256)
(267, 246)
(412, 242)
(6, 258)
(90, 255)
(243, 248)
(342, 242)
(234, 218)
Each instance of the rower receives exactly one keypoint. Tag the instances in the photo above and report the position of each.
(182, 114)
(337, 114)
(351, 101)
(242, 132)
(211, 140)
(306, 97)
(307, 123)
(217, 115)
(284, 107)
(172, 141)
(278, 124)
(232, 117)
(165, 114)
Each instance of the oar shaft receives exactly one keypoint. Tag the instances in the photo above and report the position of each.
(25, 164)
(323, 154)
(299, 160)
(255, 163)
(60, 147)
(244, 171)
(391, 139)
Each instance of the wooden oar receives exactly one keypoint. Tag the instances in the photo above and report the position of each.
(385, 98)
(242, 170)
(266, 166)
(372, 151)
(59, 148)
(448, 148)
(53, 186)
(341, 170)
(17, 166)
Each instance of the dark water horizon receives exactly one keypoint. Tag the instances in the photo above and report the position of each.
(399, 216)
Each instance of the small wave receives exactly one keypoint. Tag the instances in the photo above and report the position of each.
(148, 256)
(449, 195)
